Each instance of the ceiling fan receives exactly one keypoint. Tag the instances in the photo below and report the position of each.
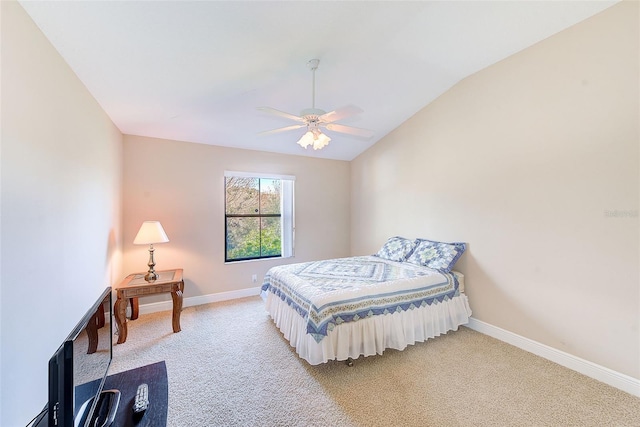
(315, 119)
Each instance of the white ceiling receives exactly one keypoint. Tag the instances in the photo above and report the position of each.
(197, 70)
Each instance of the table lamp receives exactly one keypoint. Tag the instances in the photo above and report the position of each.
(150, 232)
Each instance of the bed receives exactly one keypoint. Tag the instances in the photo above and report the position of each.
(340, 309)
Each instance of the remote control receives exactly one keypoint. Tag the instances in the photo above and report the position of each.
(141, 402)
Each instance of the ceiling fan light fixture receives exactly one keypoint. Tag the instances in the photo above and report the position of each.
(306, 139)
(320, 141)
(315, 138)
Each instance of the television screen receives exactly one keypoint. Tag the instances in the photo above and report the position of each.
(79, 367)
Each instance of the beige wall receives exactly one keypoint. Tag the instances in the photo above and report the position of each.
(182, 185)
(533, 162)
(60, 209)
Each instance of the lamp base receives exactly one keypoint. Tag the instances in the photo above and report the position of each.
(151, 276)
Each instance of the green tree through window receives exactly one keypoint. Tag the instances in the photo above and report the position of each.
(253, 215)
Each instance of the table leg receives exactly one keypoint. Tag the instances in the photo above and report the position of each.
(134, 308)
(92, 332)
(100, 319)
(120, 309)
(177, 307)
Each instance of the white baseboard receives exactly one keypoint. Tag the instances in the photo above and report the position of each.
(608, 376)
(199, 300)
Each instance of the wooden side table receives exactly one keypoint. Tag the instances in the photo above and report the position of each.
(134, 286)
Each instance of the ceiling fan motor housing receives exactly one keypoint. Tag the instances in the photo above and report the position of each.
(312, 113)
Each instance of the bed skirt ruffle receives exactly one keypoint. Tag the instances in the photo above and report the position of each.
(371, 335)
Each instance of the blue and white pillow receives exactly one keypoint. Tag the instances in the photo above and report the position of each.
(396, 249)
(437, 255)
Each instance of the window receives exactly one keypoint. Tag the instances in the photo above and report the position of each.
(258, 216)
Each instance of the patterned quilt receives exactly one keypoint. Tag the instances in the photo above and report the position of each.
(328, 293)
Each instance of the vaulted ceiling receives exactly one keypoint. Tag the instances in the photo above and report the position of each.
(197, 70)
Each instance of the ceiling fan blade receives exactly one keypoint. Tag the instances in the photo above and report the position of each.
(284, 129)
(365, 133)
(339, 114)
(281, 114)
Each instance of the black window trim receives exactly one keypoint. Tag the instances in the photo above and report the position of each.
(226, 222)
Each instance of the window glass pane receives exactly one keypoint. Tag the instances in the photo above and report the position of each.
(271, 236)
(242, 195)
(259, 217)
(269, 196)
(243, 238)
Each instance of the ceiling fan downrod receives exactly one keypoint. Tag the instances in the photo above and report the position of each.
(313, 66)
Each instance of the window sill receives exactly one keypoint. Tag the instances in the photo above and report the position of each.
(258, 260)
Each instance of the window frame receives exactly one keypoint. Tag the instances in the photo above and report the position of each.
(286, 215)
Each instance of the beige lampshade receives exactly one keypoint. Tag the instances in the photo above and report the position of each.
(150, 232)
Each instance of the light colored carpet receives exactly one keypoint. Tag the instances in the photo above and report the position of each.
(230, 366)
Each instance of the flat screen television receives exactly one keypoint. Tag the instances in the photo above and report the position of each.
(78, 369)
